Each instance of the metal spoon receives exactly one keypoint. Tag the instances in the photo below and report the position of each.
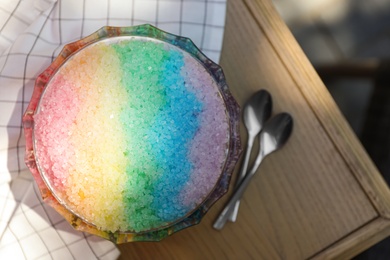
(275, 134)
(257, 111)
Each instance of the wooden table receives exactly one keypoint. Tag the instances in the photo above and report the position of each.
(318, 197)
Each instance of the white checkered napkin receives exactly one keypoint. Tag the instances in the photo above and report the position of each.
(32, 33)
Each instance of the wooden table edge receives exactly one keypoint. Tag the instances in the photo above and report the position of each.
(357, 241)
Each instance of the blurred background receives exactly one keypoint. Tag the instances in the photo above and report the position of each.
(348, 43)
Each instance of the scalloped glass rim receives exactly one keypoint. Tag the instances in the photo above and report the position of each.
(233, 112)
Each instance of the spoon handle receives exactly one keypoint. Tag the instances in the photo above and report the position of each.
(238, 192)
(241, 175)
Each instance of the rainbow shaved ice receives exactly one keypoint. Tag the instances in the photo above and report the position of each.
(131, 134)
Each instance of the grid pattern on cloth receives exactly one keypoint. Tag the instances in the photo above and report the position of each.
(32, 33)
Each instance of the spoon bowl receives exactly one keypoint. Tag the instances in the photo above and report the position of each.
(257, 111)
(276, 133)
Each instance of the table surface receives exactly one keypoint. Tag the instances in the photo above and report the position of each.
(318, 197)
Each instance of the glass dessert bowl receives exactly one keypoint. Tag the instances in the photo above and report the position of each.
(132, 134)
